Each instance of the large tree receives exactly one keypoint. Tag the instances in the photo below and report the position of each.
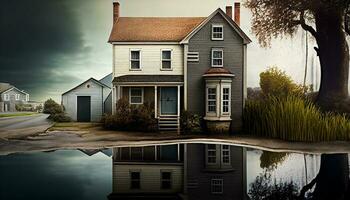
(327, 21)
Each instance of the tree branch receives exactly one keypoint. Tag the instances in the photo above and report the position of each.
(346, 20)
(305, 26)
(307, 187)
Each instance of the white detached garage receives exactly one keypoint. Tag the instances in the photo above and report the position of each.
(86, 102)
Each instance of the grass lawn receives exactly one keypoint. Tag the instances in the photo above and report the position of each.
(17, 114)
(74, 126)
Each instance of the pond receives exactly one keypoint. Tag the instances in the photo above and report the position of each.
(173, 171)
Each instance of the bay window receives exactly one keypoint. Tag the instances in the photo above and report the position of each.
(211, 98)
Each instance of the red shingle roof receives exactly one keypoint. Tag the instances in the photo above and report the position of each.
(153, 29)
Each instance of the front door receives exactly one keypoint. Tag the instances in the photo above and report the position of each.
(84, 109)
(168, 101)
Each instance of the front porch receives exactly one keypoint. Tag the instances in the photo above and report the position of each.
(165, 97)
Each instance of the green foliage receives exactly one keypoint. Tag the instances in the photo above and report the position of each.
(270, 160)
(263, 188)
(190, 123)
(275, 82)
(295, 119)
(60, 117)
(131, 118)
(51, 107)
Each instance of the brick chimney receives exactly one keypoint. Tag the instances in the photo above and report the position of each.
(229, 11)
(115, 11)
(238, 13)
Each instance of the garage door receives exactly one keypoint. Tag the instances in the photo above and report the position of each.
(84, 109)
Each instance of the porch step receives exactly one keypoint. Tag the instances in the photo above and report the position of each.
(168, 123)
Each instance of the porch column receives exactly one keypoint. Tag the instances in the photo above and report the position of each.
(114, 96)
(178, 100)
(155, 102)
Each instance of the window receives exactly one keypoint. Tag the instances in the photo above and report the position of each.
(211, 154)
(166, 180)
(225, 154)
(217, 57)
(217, 186)
(136, 96)
(166, 59)
(217, 32)
(135, 60)
(193, 56)
(135, 182)
(17, 97)
(6, 97)
(211, 100)
(226, 100)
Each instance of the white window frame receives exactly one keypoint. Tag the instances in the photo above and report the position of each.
(140, 60)
(224, 86)
(6, 97)
(207, 99)
(222, 155)
(212, 57)
(142, 95)
(207, 155)
(215, 184)
(171, 60)
(170, 180)
(212, 31)
(17, 97)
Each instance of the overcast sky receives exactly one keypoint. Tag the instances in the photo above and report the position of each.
(49, 46)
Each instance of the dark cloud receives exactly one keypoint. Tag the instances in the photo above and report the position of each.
(36, 38)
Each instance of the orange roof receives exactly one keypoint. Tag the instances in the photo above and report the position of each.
(153, 29)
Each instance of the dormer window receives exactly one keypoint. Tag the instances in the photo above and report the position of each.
(217, 57)
(135, 59)
(217, 32)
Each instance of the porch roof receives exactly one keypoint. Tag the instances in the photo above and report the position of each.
(149, 79)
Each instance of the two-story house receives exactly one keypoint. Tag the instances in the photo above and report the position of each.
(196, 64)
(10, 96)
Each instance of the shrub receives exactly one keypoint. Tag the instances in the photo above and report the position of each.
(131, 118)
(275, 82)
(60, 117)
(293, 118)
(270, 160)
(190, 123)
(51, 107)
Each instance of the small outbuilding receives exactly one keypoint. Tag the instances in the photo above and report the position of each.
(88, 101)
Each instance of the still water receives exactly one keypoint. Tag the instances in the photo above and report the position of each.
(174, 171)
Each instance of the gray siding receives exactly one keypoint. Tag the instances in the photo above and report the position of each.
(10, 105)
(199, 179)
(233, 61)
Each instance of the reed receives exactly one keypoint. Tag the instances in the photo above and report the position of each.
(295, 119)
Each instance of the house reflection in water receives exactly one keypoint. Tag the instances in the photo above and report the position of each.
(179, 171)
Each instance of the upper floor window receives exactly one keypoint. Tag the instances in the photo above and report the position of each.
(136, 95)
(6, 97)
(217, 57)
(135, 180)
(17, 97)
(217, 186)
(166, 180)
(166, 60)
(135, 59)
(217, 32)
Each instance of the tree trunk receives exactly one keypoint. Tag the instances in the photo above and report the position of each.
(333, 52)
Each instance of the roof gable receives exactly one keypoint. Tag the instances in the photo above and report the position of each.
(90, 79)
(230, 21)
(13, 88)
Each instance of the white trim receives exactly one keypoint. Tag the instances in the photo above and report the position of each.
(17, 97)
(142, 95)
(138, 43)
(210, 113)
(222, 154)
(140, 84)
(216, 75)
(224, 86)
(212, 32)
(6, 97)
(155, 102)
(207, 155)
(171, 60)
(221, 184)
(185, 75)
(239, 31)
(212, 57)
(139, 60)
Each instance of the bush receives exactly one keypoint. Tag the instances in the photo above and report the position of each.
(51, 107)
(190, 123)
(131, 118)
(295, 119)
(275, 82)
(60, 117)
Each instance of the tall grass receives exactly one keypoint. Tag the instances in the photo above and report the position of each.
(295, 119)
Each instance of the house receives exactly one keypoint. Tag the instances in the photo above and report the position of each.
(179, 171)
(197, 64)
(89, 100)
(10, 96)
(148, 172)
